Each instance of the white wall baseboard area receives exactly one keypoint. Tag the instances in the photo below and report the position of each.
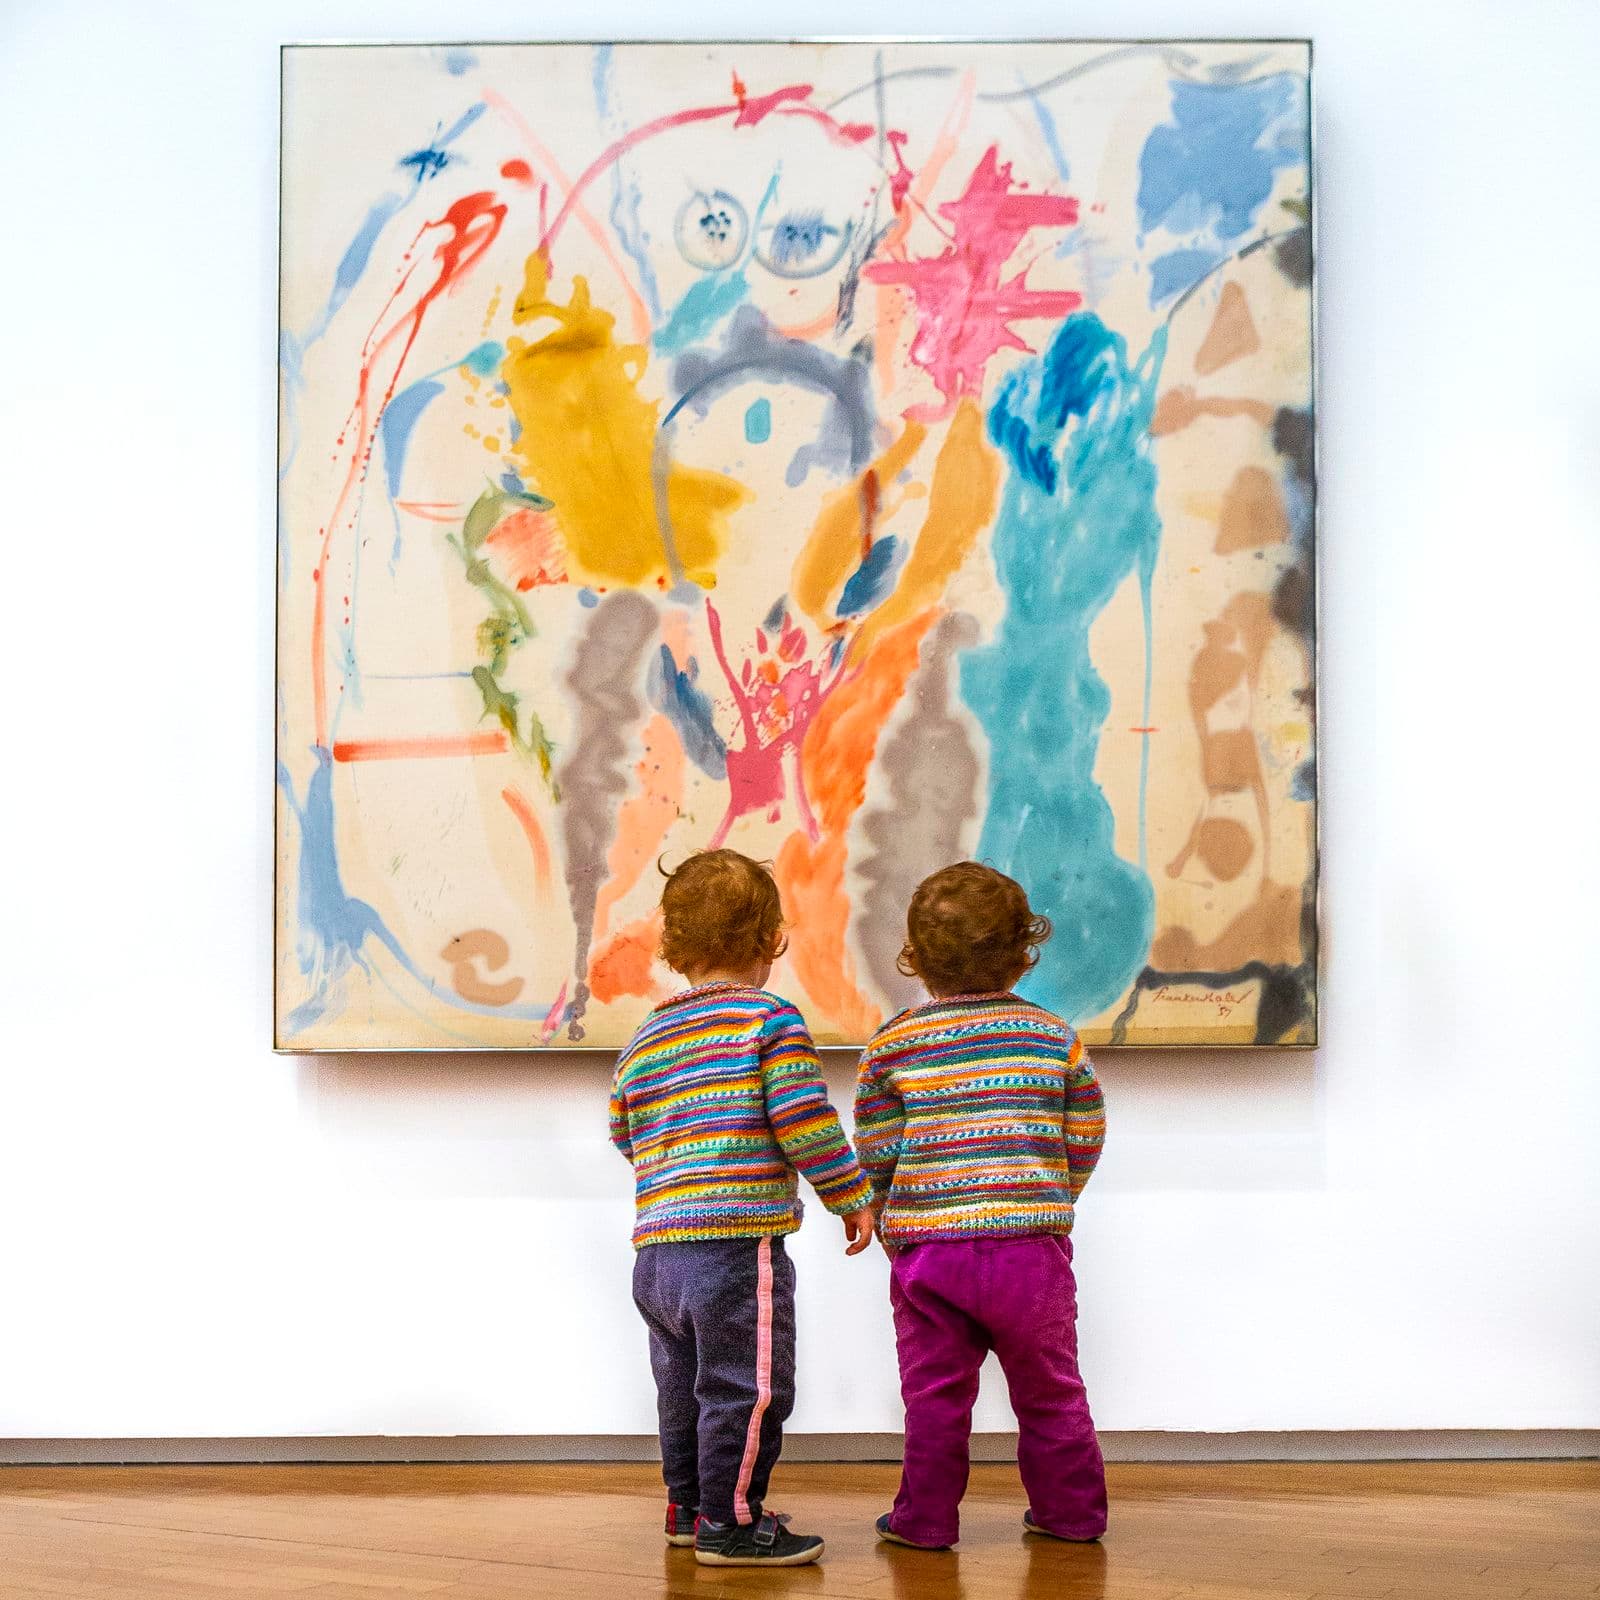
(1449, 1444)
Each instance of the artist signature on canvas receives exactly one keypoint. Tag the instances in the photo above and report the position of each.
(1225, 1000)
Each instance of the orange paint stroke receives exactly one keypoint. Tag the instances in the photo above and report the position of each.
(837, 755)
(638, 313)
(814, 329)
(892, 302)
(432, 510)
(623, 965)
(428, 747)
(644, 818)
(961, 500)
(528, 544)
(524, 813)
(833, 549)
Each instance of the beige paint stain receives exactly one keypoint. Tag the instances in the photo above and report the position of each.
(587, 443)
(1253, 513)
(1268, 930)
(1232, 335)
(464, 951)
(1181, 406)
(1230, 661)
(1225, 847)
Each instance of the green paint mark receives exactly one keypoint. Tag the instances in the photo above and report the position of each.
(506, 629)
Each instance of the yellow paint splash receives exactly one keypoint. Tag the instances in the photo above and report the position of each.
(833, 551)
(966, 486)
(587, 441)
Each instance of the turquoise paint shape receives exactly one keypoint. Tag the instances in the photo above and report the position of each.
(758, 422)
(705, 305)
(1076, 518)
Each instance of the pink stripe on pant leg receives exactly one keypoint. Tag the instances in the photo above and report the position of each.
(752, 1438)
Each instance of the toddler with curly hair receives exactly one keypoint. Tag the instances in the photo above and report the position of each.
(719, 1103)
(978, 1122)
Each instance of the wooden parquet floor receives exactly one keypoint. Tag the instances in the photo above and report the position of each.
(1435, 1531)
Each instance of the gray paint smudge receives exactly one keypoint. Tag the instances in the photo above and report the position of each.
(933, 790)
(845, 440)
(604, 681)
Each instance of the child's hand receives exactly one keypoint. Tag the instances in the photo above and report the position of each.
(859, 1227)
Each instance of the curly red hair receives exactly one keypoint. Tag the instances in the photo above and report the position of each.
(970, 930)
(720, 909)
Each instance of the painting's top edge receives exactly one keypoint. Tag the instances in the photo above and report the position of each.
(856, 38)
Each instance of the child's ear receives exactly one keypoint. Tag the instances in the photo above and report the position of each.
(906, 962)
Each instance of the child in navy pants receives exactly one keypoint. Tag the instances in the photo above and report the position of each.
(719, 1104)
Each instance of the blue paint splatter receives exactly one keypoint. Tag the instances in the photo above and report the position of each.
(588, 599)
(1303, 786)
(707, 302)
(797, 236)
(625, 192)
(334, 926)
(1211, 168)
(1077, 516)
(774, 618)
(1178, 270)
(400, 417)
(687, 707)
(459, 62)
(758, 422)
(483, 360)
(427, 162)
(874, 578)
(1047, 126)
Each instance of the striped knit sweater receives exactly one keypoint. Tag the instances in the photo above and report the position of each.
(977, 1116)
(718, 1101)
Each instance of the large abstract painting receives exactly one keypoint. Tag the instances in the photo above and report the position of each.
(862, 455)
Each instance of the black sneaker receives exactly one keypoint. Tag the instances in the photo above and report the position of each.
(680, 1525)
(889, 1536)
(764, 1543)
(1030, 1526)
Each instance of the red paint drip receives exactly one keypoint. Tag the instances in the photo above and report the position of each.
(517, 171)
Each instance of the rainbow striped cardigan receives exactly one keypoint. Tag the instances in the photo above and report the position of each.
(718, 1102)
(977, 1116)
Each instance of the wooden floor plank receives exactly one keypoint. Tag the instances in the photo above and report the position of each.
(1265, 1531)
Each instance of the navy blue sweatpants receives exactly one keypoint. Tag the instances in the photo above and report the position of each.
(721, 1320)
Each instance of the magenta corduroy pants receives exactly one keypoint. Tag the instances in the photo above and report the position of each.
(955, 1301)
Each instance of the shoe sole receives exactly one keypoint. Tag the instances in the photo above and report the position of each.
(802, 1558)
(889, 1536)
(681, 1541)
(1060, 1538)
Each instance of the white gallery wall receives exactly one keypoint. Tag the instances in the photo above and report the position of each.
(198, 1238)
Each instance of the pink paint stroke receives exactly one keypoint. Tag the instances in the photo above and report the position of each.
(965, 307)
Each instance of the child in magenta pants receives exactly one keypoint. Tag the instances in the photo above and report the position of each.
(978, 1122)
